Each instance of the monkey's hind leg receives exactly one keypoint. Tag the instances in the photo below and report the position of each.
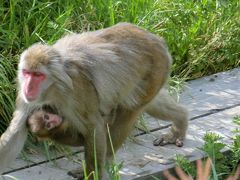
(121, 128)
(165, 108)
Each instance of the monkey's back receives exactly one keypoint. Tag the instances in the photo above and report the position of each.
(124, 57)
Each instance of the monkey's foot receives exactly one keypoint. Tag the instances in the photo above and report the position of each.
(169, 138)
(78, 173)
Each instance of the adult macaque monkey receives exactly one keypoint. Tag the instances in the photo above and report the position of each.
(88, 76)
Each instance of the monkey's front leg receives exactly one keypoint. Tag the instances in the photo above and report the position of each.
(95, 145)
(12, 140)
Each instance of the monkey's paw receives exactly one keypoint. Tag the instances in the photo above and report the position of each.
(78, 173)
(168, 139)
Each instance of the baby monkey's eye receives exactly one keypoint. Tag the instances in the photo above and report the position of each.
(46, 116)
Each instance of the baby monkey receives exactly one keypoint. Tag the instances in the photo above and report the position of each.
(45, 123)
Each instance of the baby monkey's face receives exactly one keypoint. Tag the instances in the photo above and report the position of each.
(41, 123)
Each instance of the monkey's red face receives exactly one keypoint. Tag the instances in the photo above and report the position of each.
(33, 82)
(39, 68)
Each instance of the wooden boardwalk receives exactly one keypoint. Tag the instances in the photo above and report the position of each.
(213, 101)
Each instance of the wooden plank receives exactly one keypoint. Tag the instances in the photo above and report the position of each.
(61, 167)
(212, 92)
(159, 158)
(36, 158)
(206, 95)
(49, 171)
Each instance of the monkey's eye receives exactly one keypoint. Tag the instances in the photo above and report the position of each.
(38, 74)
(46, 116)
(25, 72)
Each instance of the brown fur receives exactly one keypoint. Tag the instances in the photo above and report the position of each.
(37, 58)
(117, 70)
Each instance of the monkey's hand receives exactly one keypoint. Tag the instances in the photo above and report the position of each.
(175, 136)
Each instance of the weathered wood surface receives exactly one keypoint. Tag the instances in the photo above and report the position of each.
(213, 101)
(151, 159)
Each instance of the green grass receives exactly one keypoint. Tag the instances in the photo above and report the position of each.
(7, 90)
(202, 37)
